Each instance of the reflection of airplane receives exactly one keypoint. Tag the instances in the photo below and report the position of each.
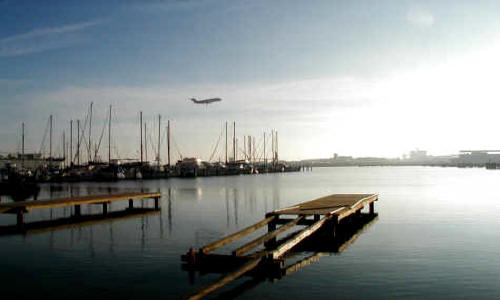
(206, 101)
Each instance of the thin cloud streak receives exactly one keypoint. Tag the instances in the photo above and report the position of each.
(43, 39)
(420, 17)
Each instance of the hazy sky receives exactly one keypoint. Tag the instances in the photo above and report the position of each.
(360, 78)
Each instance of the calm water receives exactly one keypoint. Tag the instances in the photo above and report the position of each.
(437, 236)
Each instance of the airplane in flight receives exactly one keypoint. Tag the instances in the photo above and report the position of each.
(206, 101)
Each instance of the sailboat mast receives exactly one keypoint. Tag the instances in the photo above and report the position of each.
(234, 141)
(109, 136)
(22, 147)
(168, 142)
(71, 142)
(145, 143)
(159, 134)
(64, 147)
(272, 144)
(250, 148)
(90, 133)
(50, 139)
(264, 156)
(277, 158)
(141, 133)
(78, 142)
(226, 142)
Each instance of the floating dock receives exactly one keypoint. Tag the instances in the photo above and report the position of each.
(326, 214)
(23, 207)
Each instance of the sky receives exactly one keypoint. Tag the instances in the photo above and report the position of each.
(360, 78)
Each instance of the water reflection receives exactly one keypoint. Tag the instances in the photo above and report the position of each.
(20, 194)
(81, 221)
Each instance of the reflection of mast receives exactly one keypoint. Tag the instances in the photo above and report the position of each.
(111, 239)
(235, 193)
(169, 210)
(227, 207)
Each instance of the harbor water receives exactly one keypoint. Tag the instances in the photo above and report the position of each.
(436, 237)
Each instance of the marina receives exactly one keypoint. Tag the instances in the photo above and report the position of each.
(82, 157)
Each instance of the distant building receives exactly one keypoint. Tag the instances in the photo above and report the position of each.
(418, 155)
(478, 157)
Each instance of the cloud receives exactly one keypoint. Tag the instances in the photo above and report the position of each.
(420, 17)
(43, 39)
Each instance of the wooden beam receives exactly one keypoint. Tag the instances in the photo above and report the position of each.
(236, 235)
(359, 205)
(69, 201)
(299, 237)
(71, 222)
(230, 277)
(266, 237)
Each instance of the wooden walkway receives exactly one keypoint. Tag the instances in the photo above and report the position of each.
(322, 213)
(22, 207)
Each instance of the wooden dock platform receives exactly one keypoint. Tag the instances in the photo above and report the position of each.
(22, 207)
(325, 213)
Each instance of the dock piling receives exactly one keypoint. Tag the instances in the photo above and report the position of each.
(20, 218)
(157, 203)
(130, 203)
(270, 228)
(78, 210)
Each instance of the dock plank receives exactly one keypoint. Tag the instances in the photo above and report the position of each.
(236, 235)
(337, 204)
(266, 237)
(69, 201)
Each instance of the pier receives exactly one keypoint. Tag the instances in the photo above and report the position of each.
(330, 215)
(23, 207)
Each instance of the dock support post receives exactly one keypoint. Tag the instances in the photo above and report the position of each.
(78, 210)
(20, 218)
(372, 207)
(335, 225)
(316, 218)
(130, 203)
(157, 203)
(270, 228)
(105, 208)
(358, 212)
